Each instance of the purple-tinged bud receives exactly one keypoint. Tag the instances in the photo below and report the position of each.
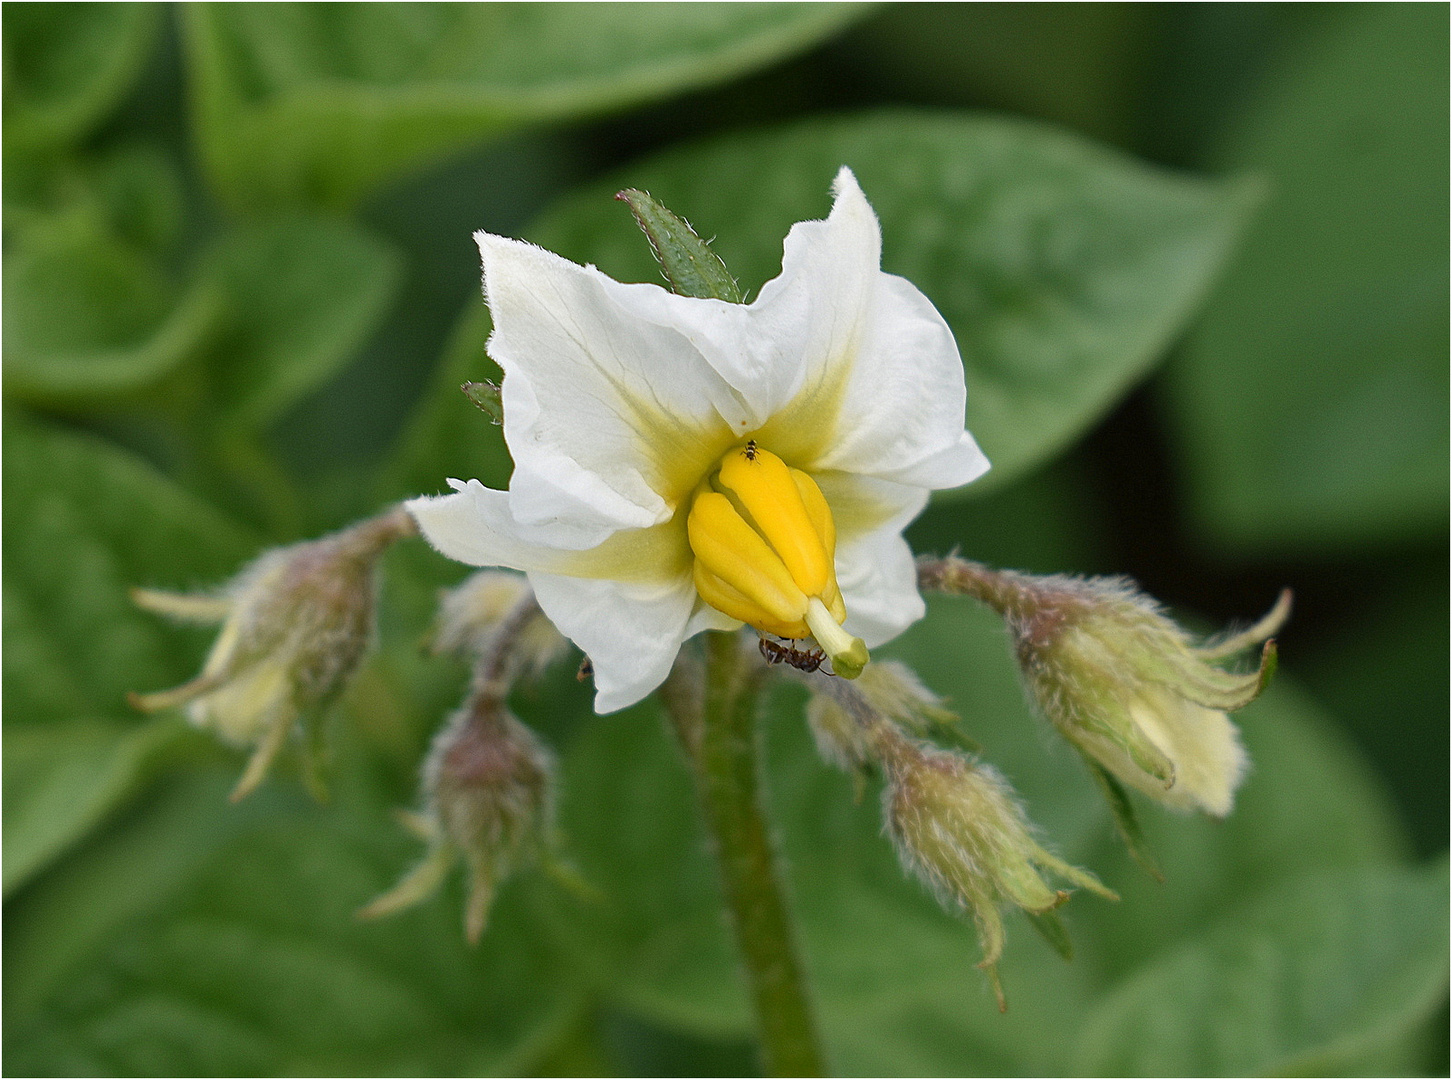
(1132, 692)
(1122, 682)
(958, 826)
(295, 624)
(489, 783)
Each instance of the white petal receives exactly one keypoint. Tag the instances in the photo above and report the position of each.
(631, 632)
(475, 526)
(875, 567)
(1202, 743)
(900, 415)
(787, 346)
(807, 319)
(610, 418)
(856, 370)
(879, 583)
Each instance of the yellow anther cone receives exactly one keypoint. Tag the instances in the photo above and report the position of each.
(764, 541)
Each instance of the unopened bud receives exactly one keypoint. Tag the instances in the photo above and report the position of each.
(474, 614)
(1132, 692)
(892, 692)
(957, 824)
(295, 624)
(489, 785)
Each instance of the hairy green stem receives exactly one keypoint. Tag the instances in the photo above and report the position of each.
(723, 749)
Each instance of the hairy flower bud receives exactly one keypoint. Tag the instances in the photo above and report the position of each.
(489, 785)
(893, 693)
(474, 613)
(295, 623)
(1126, 686)
(1132, 692)
(958, 826)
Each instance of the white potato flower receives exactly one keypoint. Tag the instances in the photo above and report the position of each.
(685, 464)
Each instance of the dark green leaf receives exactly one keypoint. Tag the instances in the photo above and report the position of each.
(66, 67)
(141, 192)
(1126, 821)
(216, 940)
(1051, 928)
(89, 316)
(1385, 675)
(132, 193)
(86, 523)
(1078, 65)
(1312, 404)
(306, 293)
(1309, 980)
(1064, 269)
(62, 778)
(322, 103)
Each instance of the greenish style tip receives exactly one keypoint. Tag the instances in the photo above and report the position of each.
(486, 396)
(688, 263)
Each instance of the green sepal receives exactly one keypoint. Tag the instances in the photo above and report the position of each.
(1125, 821)
(485, 395)
(1052, 929)
(688, 263)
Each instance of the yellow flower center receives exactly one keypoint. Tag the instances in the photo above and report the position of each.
(764, 543)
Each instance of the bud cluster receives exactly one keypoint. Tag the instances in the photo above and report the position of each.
(955, 822)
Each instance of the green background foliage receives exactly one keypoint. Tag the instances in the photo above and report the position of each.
(1195, 259)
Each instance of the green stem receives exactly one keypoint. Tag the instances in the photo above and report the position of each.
(724, 751)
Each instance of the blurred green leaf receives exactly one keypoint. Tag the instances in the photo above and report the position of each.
(141, 193)
(1064, 269)
(1384, 674)
(305, 294)
(657, 941)
(226, 942)
(320, 103)
(1312, 403)
(447, 435)
(131, 191)
(62, 778)
(67, 66)
(87, 522)
(1050, 522)
(1309, 980)
(1072, 64)
(893, 974)
(89, 315)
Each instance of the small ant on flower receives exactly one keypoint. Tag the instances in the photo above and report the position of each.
(774, 652)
